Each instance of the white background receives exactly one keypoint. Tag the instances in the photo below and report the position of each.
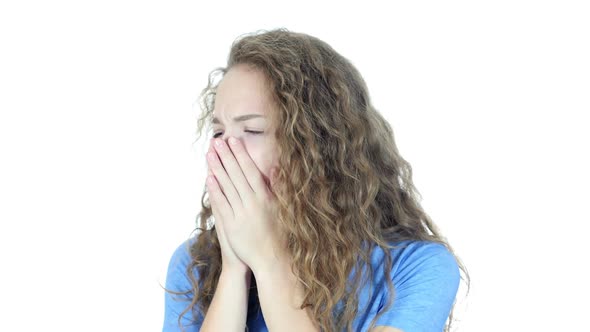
(100, 178)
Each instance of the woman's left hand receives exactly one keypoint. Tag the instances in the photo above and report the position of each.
(245, 202)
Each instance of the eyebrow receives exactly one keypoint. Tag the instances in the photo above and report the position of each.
(240, 118)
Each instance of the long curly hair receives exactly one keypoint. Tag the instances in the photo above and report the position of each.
(341, 182)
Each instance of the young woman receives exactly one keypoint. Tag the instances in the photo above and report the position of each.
(317, 224)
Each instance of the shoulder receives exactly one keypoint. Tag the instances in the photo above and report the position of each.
(178, 291)
(182, 252)
(411, 258)
(424, 259)
(425, 277)
(178, 263)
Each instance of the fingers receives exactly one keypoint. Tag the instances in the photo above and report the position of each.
(219, 203)
(222, 178)
(233, 169)
(218, 225)
(244, 173)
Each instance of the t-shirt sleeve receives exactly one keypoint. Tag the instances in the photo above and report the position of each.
(426, 282)
(178, 281)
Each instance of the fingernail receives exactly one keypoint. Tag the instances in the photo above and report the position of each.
(233, 141)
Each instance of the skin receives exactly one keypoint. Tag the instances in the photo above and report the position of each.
(242, 175)
(243, 91)
(239, 185)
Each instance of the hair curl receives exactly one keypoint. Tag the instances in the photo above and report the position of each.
(342, 181)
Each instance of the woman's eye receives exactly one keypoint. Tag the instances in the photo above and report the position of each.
(247, 131)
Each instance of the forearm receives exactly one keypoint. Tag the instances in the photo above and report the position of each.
(280, 296)
(229, 306)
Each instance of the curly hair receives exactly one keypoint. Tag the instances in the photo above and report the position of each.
(341, 182)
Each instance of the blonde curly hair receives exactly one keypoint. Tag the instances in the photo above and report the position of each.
(342, 181)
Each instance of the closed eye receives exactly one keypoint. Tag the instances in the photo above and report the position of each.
(246, 131)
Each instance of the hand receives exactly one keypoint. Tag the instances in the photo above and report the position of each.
(229, 260)
(244, 203)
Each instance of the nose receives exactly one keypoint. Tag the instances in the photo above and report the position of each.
(223, 137)
(227, 133)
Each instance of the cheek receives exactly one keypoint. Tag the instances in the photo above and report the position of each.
(261, 156)
(254, 152)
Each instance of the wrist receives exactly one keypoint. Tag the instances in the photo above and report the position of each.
(236, 274)
(271, 266)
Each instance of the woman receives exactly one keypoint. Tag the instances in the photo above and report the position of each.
(317, 222)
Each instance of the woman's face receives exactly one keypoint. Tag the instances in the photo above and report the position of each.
(242, 106)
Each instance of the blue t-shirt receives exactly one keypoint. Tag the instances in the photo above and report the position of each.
(425, 278)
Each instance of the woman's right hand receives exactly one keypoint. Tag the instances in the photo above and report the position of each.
(230, 262)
